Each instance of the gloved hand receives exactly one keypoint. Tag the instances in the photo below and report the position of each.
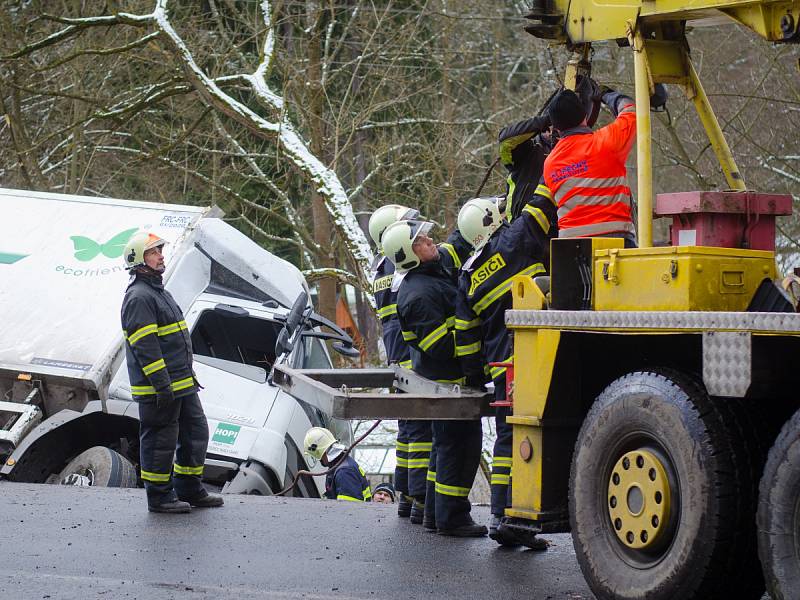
(164, 398)
(658, 101)
(477, 381)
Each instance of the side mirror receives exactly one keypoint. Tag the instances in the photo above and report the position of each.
(346, 350)
(284, 344)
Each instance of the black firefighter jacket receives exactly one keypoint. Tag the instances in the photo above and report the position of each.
(484, 287)
(158, 345)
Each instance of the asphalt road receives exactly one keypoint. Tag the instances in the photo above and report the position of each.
(84, 543)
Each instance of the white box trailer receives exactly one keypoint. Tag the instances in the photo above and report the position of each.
(63, 380)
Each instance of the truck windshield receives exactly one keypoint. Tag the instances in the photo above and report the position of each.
(246, 340)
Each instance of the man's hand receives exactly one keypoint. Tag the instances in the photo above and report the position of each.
(164, 398)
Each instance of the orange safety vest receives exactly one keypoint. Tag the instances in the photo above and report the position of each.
(586, 175)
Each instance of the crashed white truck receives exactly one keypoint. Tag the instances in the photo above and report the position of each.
(66, 413)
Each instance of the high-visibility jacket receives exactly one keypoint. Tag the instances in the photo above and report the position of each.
(386, 304)
(484, 287)
(347, 482)
(158, 345)
(586, 174)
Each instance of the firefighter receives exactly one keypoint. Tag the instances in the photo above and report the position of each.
(585, 171)
(159, 356)
(346, 480)
(426, 312)
(502, 251)
(413, 448)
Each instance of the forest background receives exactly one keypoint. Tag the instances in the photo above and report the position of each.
(300, 117)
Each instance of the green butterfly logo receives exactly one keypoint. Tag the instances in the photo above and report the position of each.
(86, 249)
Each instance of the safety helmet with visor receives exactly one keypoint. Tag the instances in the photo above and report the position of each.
(398, 243)
(478, 219)
(139, 244)
(385, 216)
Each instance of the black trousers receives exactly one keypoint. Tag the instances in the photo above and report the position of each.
(419, 442)
(457, 453)
(501, 463)
(178, 431)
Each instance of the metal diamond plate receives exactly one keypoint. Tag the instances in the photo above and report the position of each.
(788, 323)
(727, 363)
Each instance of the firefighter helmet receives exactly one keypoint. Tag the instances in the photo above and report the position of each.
(385, 216)
(317, 442)
(139, 244)
(398, 243)
(478, 219)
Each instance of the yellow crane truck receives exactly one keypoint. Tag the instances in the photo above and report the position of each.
(655, 405)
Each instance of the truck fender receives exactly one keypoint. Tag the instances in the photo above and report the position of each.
(54, 442)
(252, 478)
(269, 452)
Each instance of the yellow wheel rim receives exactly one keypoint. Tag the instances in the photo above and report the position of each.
(638, 499)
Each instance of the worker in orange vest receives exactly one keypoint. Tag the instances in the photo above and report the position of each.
(585, 172)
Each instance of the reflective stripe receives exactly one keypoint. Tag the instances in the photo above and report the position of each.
(406, 364)
(500, 479)
(462, 325)
(587, 182)
(141, 332)
(401, 462)
(495, 372)
(504, 287)
(172, 328)
(348, 498)
(401, 446)
(367, 494)
(181, 470)
(502, 461)
(452, 252)
(409, 335)
(452, 490)
(597, 229)
(154, 366)
(539, 215)
(420, 446)
(573, 202)
(433, 337)
(182, 384)
(155, 477)
(142, 390)
(543, 190)
(431, 476)
(418, 463)
(468, 349)
(387, 311)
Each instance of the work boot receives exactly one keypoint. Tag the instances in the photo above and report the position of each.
(502, 536)
(417, 512)
(404, 506)
(205, 500)
(523, 536)
(471, 529)
(171, 506)
(429, 522)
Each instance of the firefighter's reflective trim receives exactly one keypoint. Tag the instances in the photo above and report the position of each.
(417, 463)
(462, 325)
(154, 366)
(401, 462)
(142, 390)
(597, 229)
(348, 498)
(155, 477)
(588, 182)
(500, 479)
(387, 311)
(409, 335)
(431, 476)
(504, 287)
(182, 384)
(433, 337)
(539, 215)
(512, 185)
(406, 364)
(367, 493)
(420, 446)
(543, 190)
(172, 328)
(402, 446)
(468, 349)
(618, 195)
(495, 372)
(182, 470)
(502, 461)
(452, 252)
(141, 332)
(452, 490)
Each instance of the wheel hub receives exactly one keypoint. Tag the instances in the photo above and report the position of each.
(638, 499)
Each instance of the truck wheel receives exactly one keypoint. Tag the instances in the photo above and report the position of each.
(779, 514)
(653, 494)
(101, 467)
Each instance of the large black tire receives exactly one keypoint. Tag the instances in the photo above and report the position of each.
(700, 547)
(779, 514)
(108, 468)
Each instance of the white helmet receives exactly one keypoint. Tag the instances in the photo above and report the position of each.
(139, 244)
(398, 241)
(478, 219)
(385, 216)
(317, 442)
